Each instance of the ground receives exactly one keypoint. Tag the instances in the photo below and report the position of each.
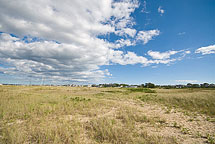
(49, 114)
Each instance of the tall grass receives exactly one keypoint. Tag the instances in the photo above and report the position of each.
(124, 129)
(194, 100)
(42, 114)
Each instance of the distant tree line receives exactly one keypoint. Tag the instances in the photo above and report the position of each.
(146, 85)
(189, 85)
(151, 85)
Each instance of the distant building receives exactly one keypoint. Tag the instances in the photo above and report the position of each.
(205, 85)
(101, 85)
(212, 85)
(132, 86)
(179, 86)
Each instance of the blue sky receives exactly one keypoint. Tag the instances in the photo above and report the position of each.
(184, 25)
(134, 42)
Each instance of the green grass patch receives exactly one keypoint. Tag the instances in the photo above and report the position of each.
(112, 91)
(144, 90)
(79, 99)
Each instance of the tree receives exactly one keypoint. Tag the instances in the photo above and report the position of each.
(195, 86)
(212, 85)
(189, 85)
(205, 85)
(149, 85)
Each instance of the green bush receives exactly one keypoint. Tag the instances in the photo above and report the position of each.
(145, 90)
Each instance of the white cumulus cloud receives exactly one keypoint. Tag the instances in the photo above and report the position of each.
(65, 41)
(51, 59)
(67, 46)
(146, 36)
(206, 50)
(126, 58)
(159, 55)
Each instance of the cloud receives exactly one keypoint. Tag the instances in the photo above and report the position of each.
(123, 42)
(187, 52)
(206, 50)
(62, 61)
(144, 10)
(161, 61)
(181, 33)
(146, 36)
(61, 40)
(119, 57)
(160, 10)
(66, 62)
(126, 58)
(142, 37)
(127, 31)
(68, 41)
(164, 57)
(51, 59)
(7, 37)
(68, 22)
(158, 55)
(186, 81)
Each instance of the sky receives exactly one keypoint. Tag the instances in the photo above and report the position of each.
(107, 41)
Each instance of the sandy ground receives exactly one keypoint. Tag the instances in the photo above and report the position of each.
(187, 129)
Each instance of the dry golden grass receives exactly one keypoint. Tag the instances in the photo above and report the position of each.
(194, 100)
(43, 114)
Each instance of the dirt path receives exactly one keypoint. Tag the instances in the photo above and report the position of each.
(186, 129)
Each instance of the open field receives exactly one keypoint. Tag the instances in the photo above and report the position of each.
(43, 114)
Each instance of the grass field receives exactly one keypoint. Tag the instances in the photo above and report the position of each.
(43, 114)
